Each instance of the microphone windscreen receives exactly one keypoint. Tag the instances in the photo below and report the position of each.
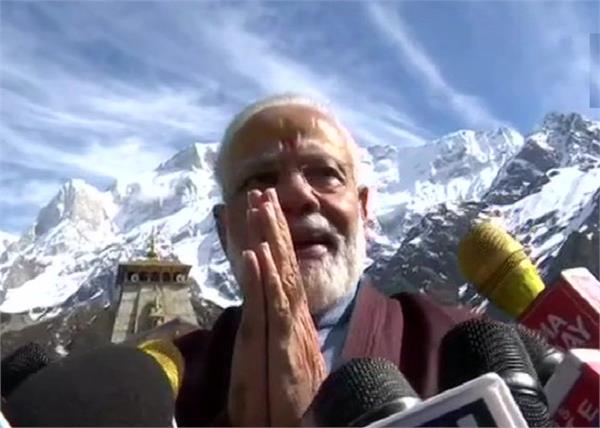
(359, 392)
(167, 355)
(110, 386)
(22, 363)
(545, 357)
(479, 346)
(497, 265)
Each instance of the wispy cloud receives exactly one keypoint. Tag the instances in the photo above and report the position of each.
(107, 90)
(470, 108)
(120, 97)
(560, 32)
(255, 55)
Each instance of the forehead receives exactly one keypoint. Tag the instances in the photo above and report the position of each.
(265, 131)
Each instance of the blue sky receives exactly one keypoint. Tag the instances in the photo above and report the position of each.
(104, 90)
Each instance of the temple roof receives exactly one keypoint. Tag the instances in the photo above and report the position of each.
(153, 262)
(153, 259)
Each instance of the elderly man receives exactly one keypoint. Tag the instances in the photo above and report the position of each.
(293, 228)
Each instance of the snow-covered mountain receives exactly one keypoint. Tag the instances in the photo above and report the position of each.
(409, 181)
(6, 239)
(545, 188)
(547, 195)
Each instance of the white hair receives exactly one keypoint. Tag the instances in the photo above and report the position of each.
(278, 100)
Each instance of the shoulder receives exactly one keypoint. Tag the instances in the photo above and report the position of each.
(424, 306)
(426, 322)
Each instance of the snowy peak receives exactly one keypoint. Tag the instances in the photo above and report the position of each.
(77, 201)
(195, 156)
(563, 141)
(409, 181)
(563, 122)
(186, 181)
(462, 153)
(6, 239)
(575, 139)
(464, 150)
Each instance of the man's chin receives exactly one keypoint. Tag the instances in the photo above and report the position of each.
(322, 285)
(312, 253)
(316, 267)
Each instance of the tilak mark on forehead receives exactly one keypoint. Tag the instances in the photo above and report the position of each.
(289, 144)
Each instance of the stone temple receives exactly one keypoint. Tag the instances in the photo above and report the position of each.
(154, 292)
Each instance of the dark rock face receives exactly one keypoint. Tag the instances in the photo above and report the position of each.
(206, 312)
(578, 142)
(523, 175)
(82, 328)
(427, 259)
(581, 247)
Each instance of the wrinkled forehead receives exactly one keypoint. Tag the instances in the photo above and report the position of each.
(266, 130)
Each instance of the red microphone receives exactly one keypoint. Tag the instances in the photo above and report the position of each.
(568, 313)
(572, 391)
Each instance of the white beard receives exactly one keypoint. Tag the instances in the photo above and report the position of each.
(336, 274)
(328, 280)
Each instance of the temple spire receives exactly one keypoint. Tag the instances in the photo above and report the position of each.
(152, 251)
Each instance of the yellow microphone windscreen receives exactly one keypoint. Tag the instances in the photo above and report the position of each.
(497, 265)
(170, 359)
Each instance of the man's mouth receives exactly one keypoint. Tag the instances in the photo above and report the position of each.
(312, 247)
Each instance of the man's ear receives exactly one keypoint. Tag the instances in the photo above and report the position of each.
(220, 216)
(363, 200)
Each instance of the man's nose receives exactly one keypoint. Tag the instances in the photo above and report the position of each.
(296, 195)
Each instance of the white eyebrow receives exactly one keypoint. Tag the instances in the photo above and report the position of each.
(254, 162)
(271, 157)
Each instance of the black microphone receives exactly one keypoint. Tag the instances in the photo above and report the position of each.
(361, 391)
(22, 363)
(479, 346)
(110, 386)
(545, 357)
(373, 393)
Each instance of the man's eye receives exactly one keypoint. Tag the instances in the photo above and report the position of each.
(323, 176)
(261, 180)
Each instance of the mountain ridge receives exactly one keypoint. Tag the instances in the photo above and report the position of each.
(424, 198)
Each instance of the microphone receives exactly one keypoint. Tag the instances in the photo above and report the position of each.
(110, 386)
(545, 357)
(169, 358)
(361, 391)
(497, 265)
(573, 389)
(481, 402)
(372, 392)
(568, 313)
(25, 361)
(479, 346)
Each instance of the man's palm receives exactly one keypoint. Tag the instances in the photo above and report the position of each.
(277, 365)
